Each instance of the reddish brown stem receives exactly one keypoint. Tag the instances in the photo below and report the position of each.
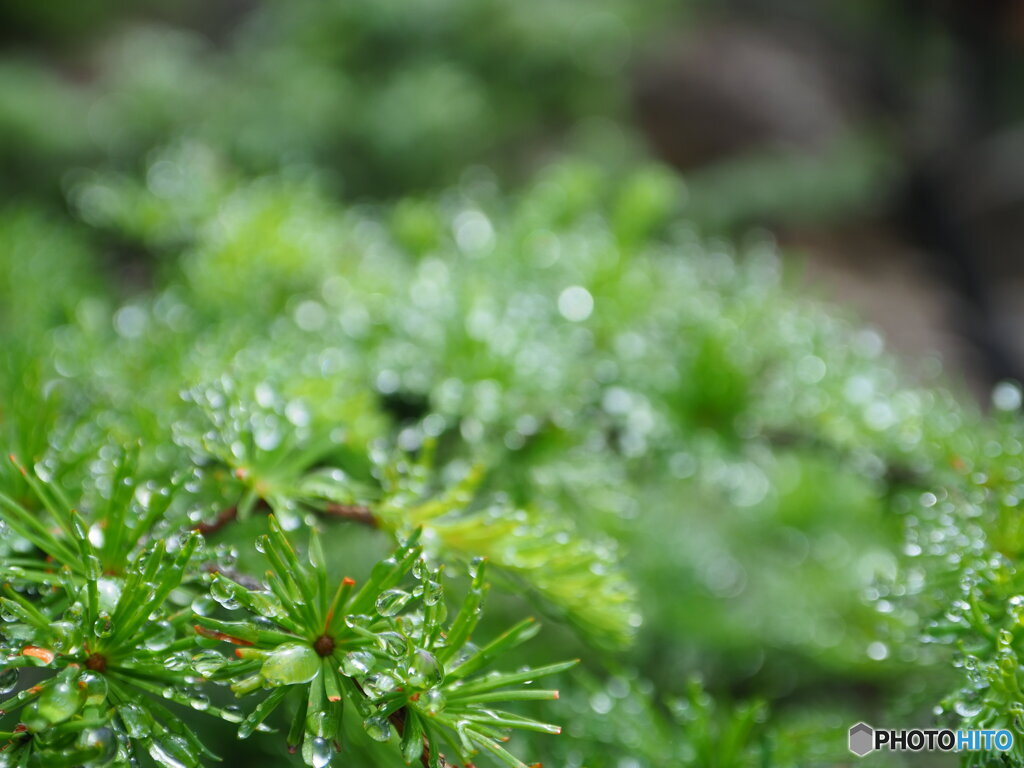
(224, 517)
(353, 513)
(397, 719)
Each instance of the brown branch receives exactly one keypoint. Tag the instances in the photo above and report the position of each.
(397, 719)
(353, 513)
(224, 517)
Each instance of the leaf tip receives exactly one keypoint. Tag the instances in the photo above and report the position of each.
(44, 655)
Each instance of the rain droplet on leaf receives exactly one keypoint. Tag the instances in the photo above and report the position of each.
(171, 751)
(199, 701)
(223, 594)
(160, 636)
(135, 720)
(59, 701)
(357, 663)
(392, 643)
(391, 601)
(103, 627)
(320, 752)
(318, 723)
(433, 701)
(379, 685)
(206, 663)
(424, 670)
(100, 739)
(377, 727)
(109, 591)
(432, 592)
(420, 569)
(95, 688)
(203, 605)
(291, 664)
(8, 680)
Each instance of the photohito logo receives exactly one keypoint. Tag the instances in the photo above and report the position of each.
(864, 740)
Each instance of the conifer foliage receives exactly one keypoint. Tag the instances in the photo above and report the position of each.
(326, 449)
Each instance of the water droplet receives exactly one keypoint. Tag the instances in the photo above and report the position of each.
(160, 636)
(64, 635)
(575, 303)
(357, 621)
(376, 686)
(178, 661)
(135, 720)
(320, 752)
(203, 605)
(224, 594)
(267, 604)
(8, 680)
(317, 723)
(93, 567)
(432, 592)
(601, 703)
(357, 663)
(297, 413)
(171, 751)
(291, 664)
(878, 651)
(59, 701)
(392, 643)
(226, 556)
(377, 727)
(102, 740)
(420, 569)
(424, 670)
(440, 611)
(95, 688)
(103, 627)
(392, 601)
(109, 591)
(1006, 396)
(206, 663)
(967, 709)
(433, 701)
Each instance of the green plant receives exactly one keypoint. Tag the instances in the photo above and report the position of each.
(382, 649)
(381, 392)
(110, 612)
(645, 433)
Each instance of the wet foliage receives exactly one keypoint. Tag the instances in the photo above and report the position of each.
(306, 424)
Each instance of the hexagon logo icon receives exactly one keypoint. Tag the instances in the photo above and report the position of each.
(862, 739)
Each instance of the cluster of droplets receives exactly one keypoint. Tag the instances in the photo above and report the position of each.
(541, 322)
(981, 630)
(73, 696)
(399, 664)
